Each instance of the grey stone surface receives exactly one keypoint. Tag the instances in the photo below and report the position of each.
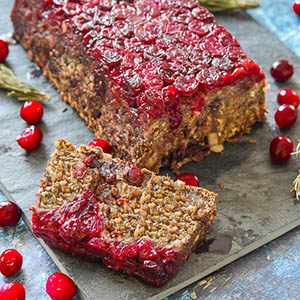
(256, 206)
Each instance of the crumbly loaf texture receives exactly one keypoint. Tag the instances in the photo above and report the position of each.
(92, 205)
(159, 79)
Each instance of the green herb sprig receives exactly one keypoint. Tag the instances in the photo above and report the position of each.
(224, 5)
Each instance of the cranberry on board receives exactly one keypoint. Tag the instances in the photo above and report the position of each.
(3, 50)
(288, 96)
(281, 148)
(12, 291)
(296, 7)
(32, 111)
(188, 178)
(60, 287)
(30, 138)
(10, 213)
(286, 115)
(282, 70)
(101, 143)
(10, 262)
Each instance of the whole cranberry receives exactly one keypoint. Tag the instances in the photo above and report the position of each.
(101, 143)
(282, 70)
(60, 287)
(12, 291)
(3, 50)
(30, 138)
(188, 178)
(296, 7)
(286, 115)
(32, 111)
(281, 148)
(10, 213)
(288, 96)
(10, 262)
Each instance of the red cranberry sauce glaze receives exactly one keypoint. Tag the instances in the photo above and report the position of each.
(78, 228)
(150, 45)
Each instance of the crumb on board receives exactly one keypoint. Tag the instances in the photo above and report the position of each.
(220, 201)
(252, 141)
(193, 295)
(64, 109)
(221, 186)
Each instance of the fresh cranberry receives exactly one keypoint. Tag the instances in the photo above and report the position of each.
(3, 50)
(286, 115)
(282, 70)
(288, 96)
(188, 178)
(30, 138)
(281, 148)
(60, 287)
(10, 213)
(296, 7)
(10, 262)
(12, 291)
(101, 143)
(32, 111)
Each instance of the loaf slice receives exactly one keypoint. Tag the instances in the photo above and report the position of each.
(92, 205)
(159, 79)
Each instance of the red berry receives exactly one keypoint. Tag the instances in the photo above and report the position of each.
(288, 96)
(32, 112)
(296, 7)
(282, 70)
(60, 287)
(281, 148)
(3, 50)
(286, 115)
(10, 213)
(12, 291)
(101, 143)
(30, 138)
(188, 178)
(10, 262)
(187, 85)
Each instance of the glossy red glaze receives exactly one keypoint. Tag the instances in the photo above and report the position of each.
(32, 112)
(10, 213)
(4, 50)
(296, 7)
(281, 148)
(188, 178)
(101, 143)
(288, 96)
(282, 70)
(60, 287)
(10, 262)
(12, 291)
(30, 138)
(286, 115)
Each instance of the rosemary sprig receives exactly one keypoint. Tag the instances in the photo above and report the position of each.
(297, 179)
(223, 5)
(16, 88)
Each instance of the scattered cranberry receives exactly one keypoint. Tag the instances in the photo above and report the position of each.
(60, 287)
(188, 178)
(281, 148)
(10, 262)
(10, 213)
(288, 96)
(3, 50)
(282, 70)
(32, 112)
(101, 143)
(30, 138)
(296, 7)
(12, 291)
(286, 115)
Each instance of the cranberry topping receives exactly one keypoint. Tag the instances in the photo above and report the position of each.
(187, 85)
(30, 138)
(296, 7)
(135, 175)
(60, 287)
(10, 262)
(282, 70)
(286, 115)
(288, 96)
(79, 171)
(10, 213)
(188, 178)
(146, 32)
(32, 111)
(12, 291)
(101, 143)
(281, 148)
(4, 50)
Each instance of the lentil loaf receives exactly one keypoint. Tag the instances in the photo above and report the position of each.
(159, 79)
(93, 205)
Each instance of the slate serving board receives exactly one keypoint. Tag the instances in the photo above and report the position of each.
(256, 203)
